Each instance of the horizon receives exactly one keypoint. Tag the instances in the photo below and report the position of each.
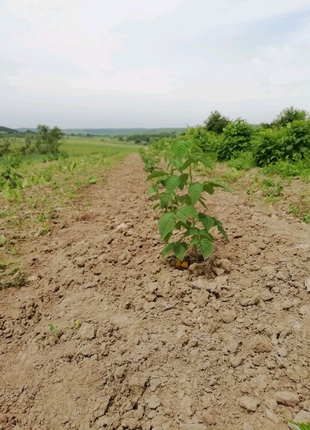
(138, 65)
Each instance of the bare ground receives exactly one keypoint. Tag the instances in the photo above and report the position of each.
(142, 345)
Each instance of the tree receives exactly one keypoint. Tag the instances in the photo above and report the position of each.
(47, 141)
(288, 115)
(216, 122)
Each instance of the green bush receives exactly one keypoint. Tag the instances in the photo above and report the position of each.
(236, 138)
(288, 143)
(266, 146)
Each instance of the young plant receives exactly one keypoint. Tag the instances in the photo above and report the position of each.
(179, 195)
(55, 332)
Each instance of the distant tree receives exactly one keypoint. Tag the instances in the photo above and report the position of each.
(4, 148)
(47, 141)
(288, 115)
(265, 125)
(216, 122)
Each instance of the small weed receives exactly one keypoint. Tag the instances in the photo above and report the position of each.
(55, 332)
(78, 325)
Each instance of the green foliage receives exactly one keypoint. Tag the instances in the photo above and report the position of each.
(216, 122)
(178, 196)
(4, 148)
(288, 115)
(299, 426)
(45, 141)
(55, 332)
(266, 146)
(236, 138)
(288, 143)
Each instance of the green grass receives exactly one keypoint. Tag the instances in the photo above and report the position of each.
(86, 145)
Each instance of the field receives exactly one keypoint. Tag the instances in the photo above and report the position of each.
(103, 333)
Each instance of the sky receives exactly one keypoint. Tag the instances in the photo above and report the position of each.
(145, 63)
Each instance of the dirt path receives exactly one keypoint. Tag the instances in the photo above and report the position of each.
(154, 347)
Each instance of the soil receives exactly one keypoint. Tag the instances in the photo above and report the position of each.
(136, 343)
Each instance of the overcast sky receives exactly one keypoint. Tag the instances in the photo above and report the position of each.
(129, 63)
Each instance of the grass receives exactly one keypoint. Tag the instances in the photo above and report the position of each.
(49, 194)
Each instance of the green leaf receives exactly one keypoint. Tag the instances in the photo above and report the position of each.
(206, 247)
(150, 191)
(208, 188)
(219, 185)
(220, 228)
(180, 148)
(206, 220)
(187, 163)
(180, 249)
(194, 191)
(186, 211)
(207, 162)
(299, 426)
(165, 200)
(156, 174)
(183, 180)
(201, 201)
(166, 225)
(168, 249)
(92, 180)
(172, 183)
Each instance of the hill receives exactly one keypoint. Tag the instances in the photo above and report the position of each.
(112, 131)
(7, 130)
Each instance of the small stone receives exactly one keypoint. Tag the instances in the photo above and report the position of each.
(307, 285)
(80, 261)
(228, 316)
(261, 345)
(249, 403)
(236, 361)
(249, 298)
(303, 417)
(288, 304)
(272, 416)
(154, 402)
(32, 278)
(287, 398)
(266, 295)
(87, 331)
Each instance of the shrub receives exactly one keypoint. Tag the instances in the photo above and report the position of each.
(288, 143)
(236, 138)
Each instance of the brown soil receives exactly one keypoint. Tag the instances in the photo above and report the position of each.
(154, 347)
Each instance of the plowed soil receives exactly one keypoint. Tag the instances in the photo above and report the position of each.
(138, 344)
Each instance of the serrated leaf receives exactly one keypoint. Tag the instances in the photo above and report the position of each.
(208, 188)
(220, 228)
(202, 203)
(180, 249)
(186, 211)
(206, 220)
(194, 191)
(183, 180)
(180, 148)
(156, 174)
(219, 185)
(187, 163)
(165, 199)
(166, 225)
(206, 247)
(172, 183)
(207, 162)
(168, 249)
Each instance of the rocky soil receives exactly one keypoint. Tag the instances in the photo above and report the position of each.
(138, 344)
